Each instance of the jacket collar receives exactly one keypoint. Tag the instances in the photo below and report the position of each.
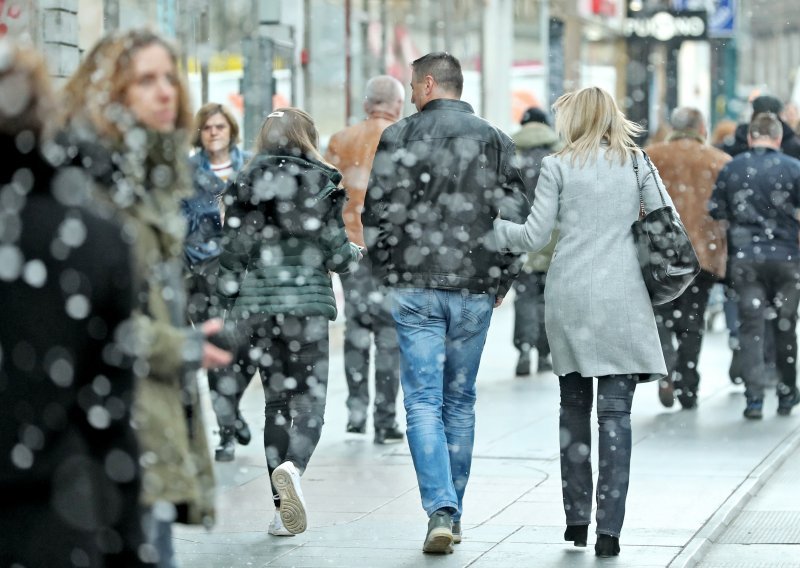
(381, 115)
(685, 135)
(237, 159)
(448, 104)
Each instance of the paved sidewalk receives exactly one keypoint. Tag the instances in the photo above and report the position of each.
(766, 532)
(364, 506)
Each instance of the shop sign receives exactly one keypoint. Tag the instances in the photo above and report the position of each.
(664, 26)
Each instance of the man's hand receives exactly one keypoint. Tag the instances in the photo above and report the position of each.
(213, 356)
(498, 300)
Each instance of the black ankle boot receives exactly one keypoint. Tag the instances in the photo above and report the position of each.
(227, 445)
(242, 430)
(577, 534)
(606, 546)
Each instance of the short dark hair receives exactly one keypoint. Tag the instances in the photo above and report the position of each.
(766, 125)
(444, 68)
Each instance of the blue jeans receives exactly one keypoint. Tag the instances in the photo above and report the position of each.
(614, 401)
(158, 532)
(441, 334)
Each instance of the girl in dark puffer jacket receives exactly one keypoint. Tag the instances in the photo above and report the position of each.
(283, 236)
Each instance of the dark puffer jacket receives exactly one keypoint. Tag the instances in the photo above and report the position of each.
(283, 236)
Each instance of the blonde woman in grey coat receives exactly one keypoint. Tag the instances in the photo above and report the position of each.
(598, 316)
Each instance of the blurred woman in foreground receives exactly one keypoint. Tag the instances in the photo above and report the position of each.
(127, 120)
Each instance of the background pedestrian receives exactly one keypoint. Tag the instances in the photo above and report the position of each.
(213, 166)
(368, 315)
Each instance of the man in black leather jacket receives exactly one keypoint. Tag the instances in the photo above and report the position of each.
(439, 179)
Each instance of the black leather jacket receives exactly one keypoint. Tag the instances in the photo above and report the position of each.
(439, 179)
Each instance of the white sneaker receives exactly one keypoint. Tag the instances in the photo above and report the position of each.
(286, 480)
(276, 526)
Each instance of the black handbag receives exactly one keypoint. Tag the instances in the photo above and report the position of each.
(666, 255)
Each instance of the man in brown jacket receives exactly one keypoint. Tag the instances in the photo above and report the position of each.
(689, 168)
(352, 151)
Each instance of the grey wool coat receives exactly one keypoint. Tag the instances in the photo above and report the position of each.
(598, 314)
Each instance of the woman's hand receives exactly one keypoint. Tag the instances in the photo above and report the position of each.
(213, 356)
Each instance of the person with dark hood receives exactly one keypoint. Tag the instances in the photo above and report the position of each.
(790, 141)
(283, 236)
(69, 472)
(534, 141)
(439, 179)
(215, 135)
(126, 126)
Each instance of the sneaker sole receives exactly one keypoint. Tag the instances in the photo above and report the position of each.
(439, 541)
(293, 512)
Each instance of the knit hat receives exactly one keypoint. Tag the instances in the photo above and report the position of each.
(767, 103)
(533, 114)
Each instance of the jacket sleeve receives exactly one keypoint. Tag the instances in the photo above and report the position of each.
(342, 255)
(535, 232)
(376, 231)
(238, 240)
(513, 206)
(718, 203)
(168, 350)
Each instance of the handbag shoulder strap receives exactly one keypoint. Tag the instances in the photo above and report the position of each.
(642, 211)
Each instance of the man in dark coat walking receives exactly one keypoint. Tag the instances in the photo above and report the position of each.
(439, 179)
(758, 195)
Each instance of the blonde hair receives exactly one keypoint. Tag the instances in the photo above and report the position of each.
(289, 131)
(98, 88)
(207, 111)
(587, 118)
(26, 96)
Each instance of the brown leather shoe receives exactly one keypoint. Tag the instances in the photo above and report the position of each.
(666, 392)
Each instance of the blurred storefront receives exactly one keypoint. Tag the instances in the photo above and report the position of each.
(653, 55)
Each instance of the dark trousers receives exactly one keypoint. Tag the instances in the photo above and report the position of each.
(684, 320)
(614, 401)
(767, 291)
(369, 319)
(529, 329)
(291, 354)
(226, 385)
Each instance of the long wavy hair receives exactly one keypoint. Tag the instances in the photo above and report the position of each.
(98, 88)
(589, 118)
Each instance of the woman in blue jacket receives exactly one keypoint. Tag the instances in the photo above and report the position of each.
(217, 161)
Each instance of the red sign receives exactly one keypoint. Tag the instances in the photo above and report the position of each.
(10, 13)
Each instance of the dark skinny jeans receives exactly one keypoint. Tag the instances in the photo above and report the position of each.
(614, 401)
(291, 354)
